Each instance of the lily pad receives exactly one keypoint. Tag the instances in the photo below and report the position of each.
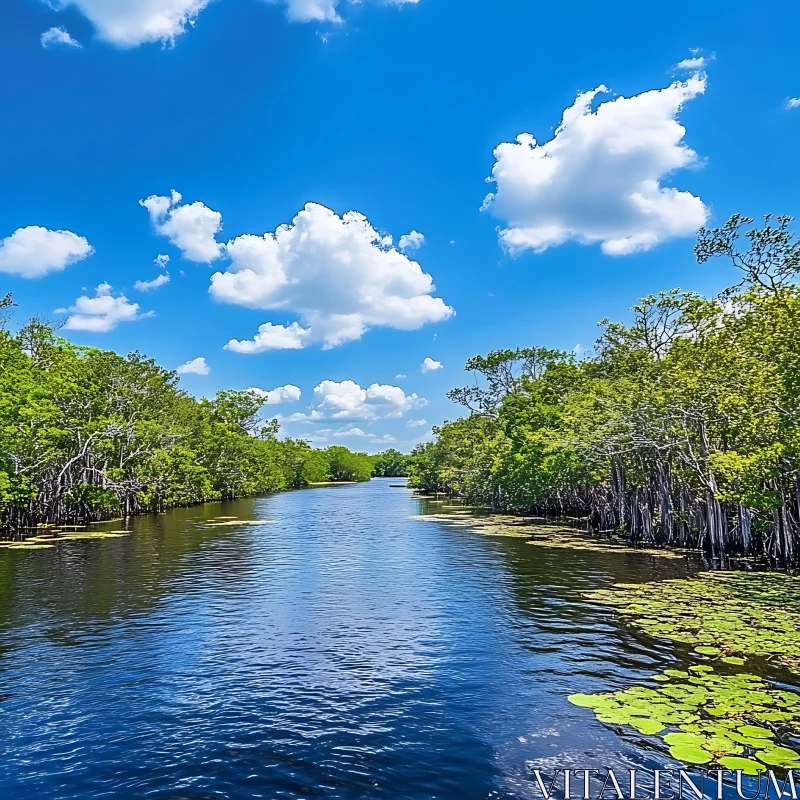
(647, 726)
(746, 765)
(755, 732)
(585, 700)
(690, 754)
(779, 757)
(706, 650)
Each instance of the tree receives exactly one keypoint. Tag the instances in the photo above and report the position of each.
(681, 427)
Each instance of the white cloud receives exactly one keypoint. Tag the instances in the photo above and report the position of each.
(400, 377)
(197, 366)
(34, 251)
(411, 241)
(416, 423)
(350, 432)
(793, 102)
(346, 400)
(58, 36)
(374, 438)
(599, 178)
(695, 64)
(103, 312)
(151, 286)
(191, 227)
(429, 365)
(337, 273)
(161, 261)
(322, 10)
(272, 337)
(311, 10)
(282, 394)
(129, 23)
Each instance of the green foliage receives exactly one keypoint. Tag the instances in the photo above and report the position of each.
(707, 718)
(390, 464)
(348, 466)
(736, 614)
(681, 427)
(87, 434)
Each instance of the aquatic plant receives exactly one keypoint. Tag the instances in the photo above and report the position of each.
(545, 535)
(738, 721)
(724, 615)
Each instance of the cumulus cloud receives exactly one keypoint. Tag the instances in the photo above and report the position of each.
(337, 273)
(416, 423)
(103, 312)
(34, 251)
(197, 366)
(282, 394)
(346, 400)
(411, 241)
(598, 180)
(58, 36)
(151, 286)
(129, 23)
(373, 438)
(160, 261)
(793, 102)
(191, 227)
(696, 64)
(429, 365)
(272, 337)
(400, 377)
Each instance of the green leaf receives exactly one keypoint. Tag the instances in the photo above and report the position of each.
(755, 732)
(585, 700)
(647, 726)
(747, 766)
(707, 650)
(690, 754)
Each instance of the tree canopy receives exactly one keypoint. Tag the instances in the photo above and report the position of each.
(86, 434)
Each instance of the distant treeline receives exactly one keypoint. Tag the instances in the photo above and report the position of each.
(682, 428)
(86, 434)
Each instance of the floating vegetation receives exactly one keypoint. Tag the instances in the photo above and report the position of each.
(568, 539)
(48, 538)
(738, 721)
(725, 615)
(542, 535)
(486, 526)
(238, 522)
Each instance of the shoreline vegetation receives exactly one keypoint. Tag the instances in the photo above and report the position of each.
(680, 430)
(87, 435)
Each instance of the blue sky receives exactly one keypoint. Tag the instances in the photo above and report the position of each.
(392, 110)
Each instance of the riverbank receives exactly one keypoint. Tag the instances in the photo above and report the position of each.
(48, 533)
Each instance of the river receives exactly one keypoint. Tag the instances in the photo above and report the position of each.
(339, 646)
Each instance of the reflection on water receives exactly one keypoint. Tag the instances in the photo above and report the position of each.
(346, 650)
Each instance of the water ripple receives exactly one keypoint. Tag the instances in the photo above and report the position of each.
(345, 650)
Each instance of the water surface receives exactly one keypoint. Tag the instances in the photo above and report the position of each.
(341, 648)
